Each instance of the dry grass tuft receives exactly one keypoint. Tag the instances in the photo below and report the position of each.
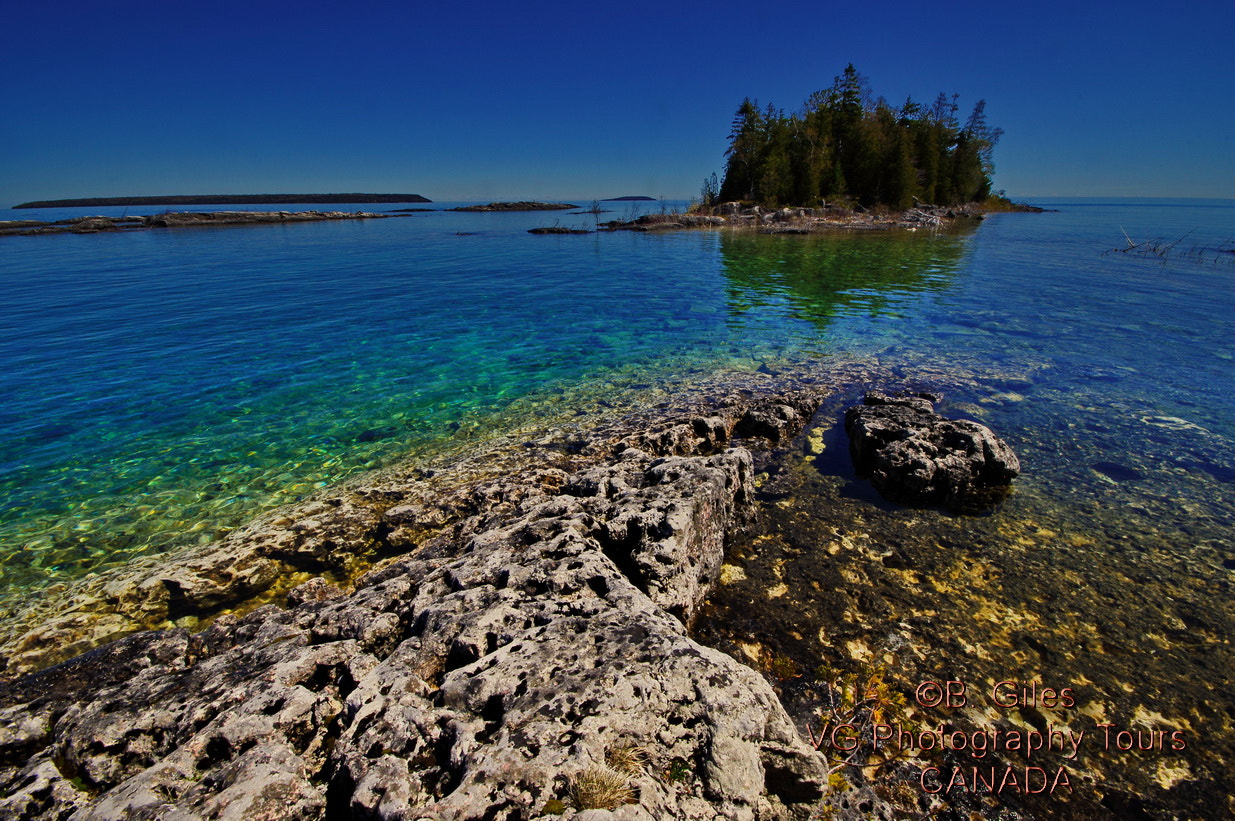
(600, 788)
(629, 759)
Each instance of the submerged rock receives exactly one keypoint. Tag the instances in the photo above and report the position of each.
(1117, 472)
(914, 456)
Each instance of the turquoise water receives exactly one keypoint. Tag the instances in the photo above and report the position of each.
(161, 387)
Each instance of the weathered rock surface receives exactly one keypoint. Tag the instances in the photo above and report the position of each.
(914, 456)
(534, 624)
(341, 533)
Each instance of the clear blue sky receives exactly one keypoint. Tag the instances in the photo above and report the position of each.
(480, 100)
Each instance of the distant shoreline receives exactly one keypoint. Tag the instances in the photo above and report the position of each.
(223, 199)
(180, 219)
(522, 205)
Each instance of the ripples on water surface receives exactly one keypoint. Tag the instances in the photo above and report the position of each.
(162, 387)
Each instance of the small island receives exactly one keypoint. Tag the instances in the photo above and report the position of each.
(848, 148)
(630, 199)
(177, 219)
(516, 206)
(224, 199)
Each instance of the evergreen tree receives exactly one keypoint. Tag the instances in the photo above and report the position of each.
(984, 137)
(774, 185)
(850, 91)
(943, 127)
(746, 138)
(845, 103)
(966, 180)
(803, 154)
(709, 194)
(844, 143)
(819, 163)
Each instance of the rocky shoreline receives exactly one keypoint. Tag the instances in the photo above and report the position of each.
(534, 627)
(765, 220)
(521, 638)
(176, 219)
(799, 220)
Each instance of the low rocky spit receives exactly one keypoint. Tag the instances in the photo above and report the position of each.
(768, 220)
(533, 628)
(522, 205)
(518, 647)
(176, 219)
(558, 229)
(520, 642)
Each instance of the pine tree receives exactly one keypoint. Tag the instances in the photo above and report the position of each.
(746, 138)
(709, 194)
(983, 137)
(843, 143)
(846, 104)
(774, 185)
(819, 156)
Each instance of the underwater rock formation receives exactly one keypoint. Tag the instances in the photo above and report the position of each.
(914, 456)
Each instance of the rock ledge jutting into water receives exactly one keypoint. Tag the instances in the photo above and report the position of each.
(175, 219)
(914, 456)
(527, 634)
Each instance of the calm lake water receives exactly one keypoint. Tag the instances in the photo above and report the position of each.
(162, 387)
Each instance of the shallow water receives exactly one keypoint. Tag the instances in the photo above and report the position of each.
(1118, 589)
(163, 386)
(1108, 571)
